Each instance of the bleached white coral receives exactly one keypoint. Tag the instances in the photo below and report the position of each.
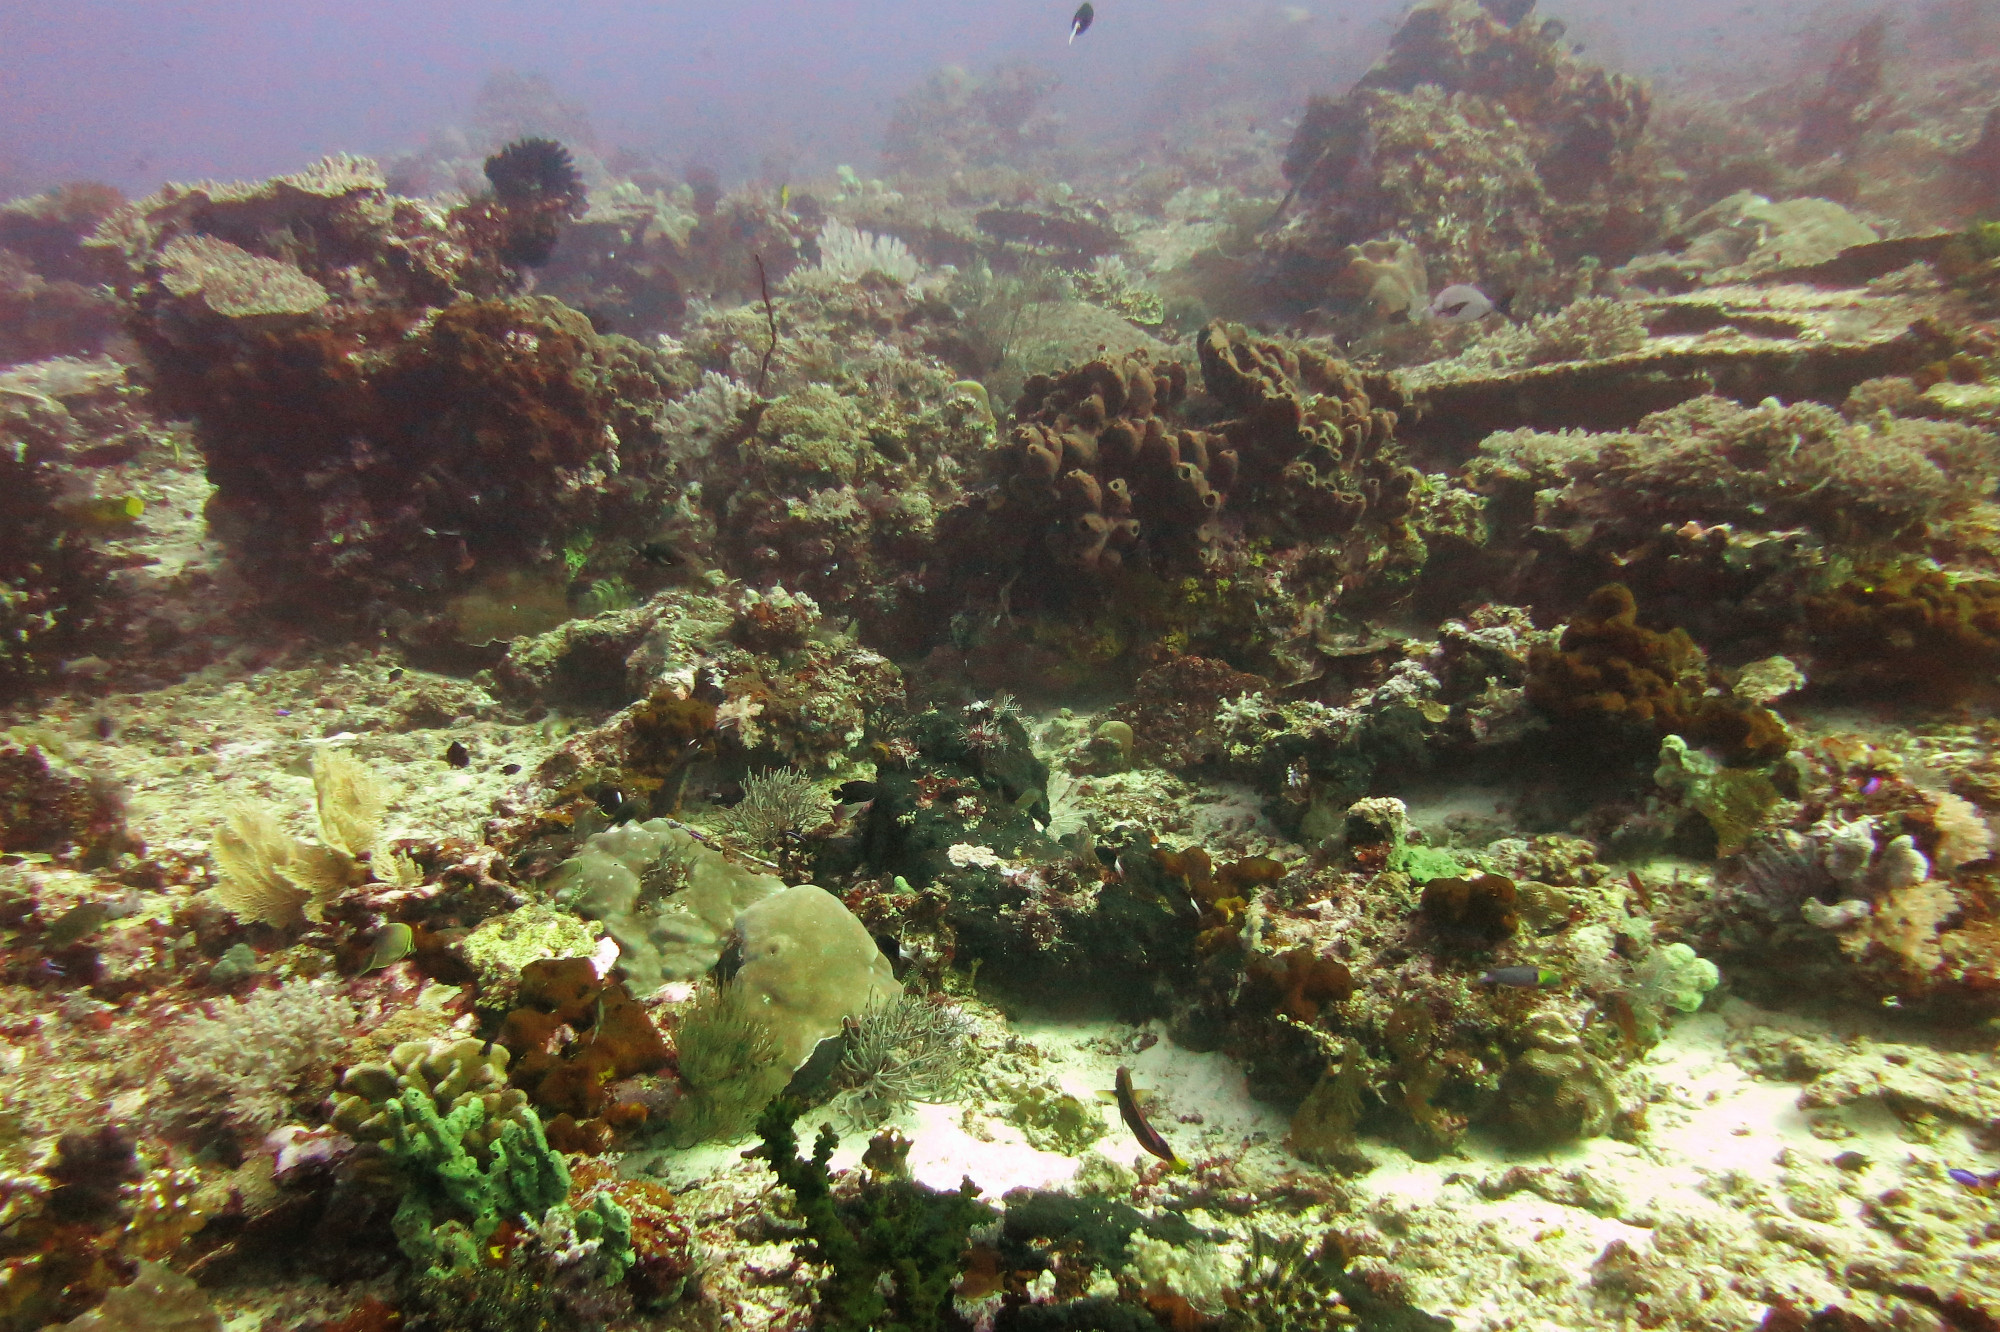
(1963, 836)
(1199, 1271)
(964, 854)
(848, 254)
(1066, 811)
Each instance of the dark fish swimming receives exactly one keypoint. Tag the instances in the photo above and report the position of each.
(1522, 977)
(1135, 1119)
(1080, 22)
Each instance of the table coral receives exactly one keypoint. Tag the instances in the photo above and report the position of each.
(1901, 627)
(52, 298)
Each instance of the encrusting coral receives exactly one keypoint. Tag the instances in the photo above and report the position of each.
(1106, 496)
(573, 1034)
(1630, 685)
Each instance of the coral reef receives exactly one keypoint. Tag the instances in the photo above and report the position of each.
(1495, 151)
(52, 298)
(959, 120)
(385, 425)
(1905, 627)
(1712, 461)
(915, 648)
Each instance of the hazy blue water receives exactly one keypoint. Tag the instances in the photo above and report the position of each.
(138, 91)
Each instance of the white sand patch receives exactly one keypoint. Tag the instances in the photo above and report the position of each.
(942, 1153)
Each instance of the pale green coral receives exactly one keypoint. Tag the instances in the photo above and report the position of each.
(681, 940)
(814, 429)
(1677, 977)
(1733, 800)
(1051, 1119)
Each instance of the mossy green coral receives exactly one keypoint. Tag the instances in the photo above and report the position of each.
(1424, 863)
(1678, 978)
(455, 1195)
(892, 1250)
(502, 945)
(814, 429)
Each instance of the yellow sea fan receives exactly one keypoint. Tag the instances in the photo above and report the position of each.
(350, 801)
(257, 859)
(1963, 836)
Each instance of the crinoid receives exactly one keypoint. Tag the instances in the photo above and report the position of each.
(535, 186)
(535, 171)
